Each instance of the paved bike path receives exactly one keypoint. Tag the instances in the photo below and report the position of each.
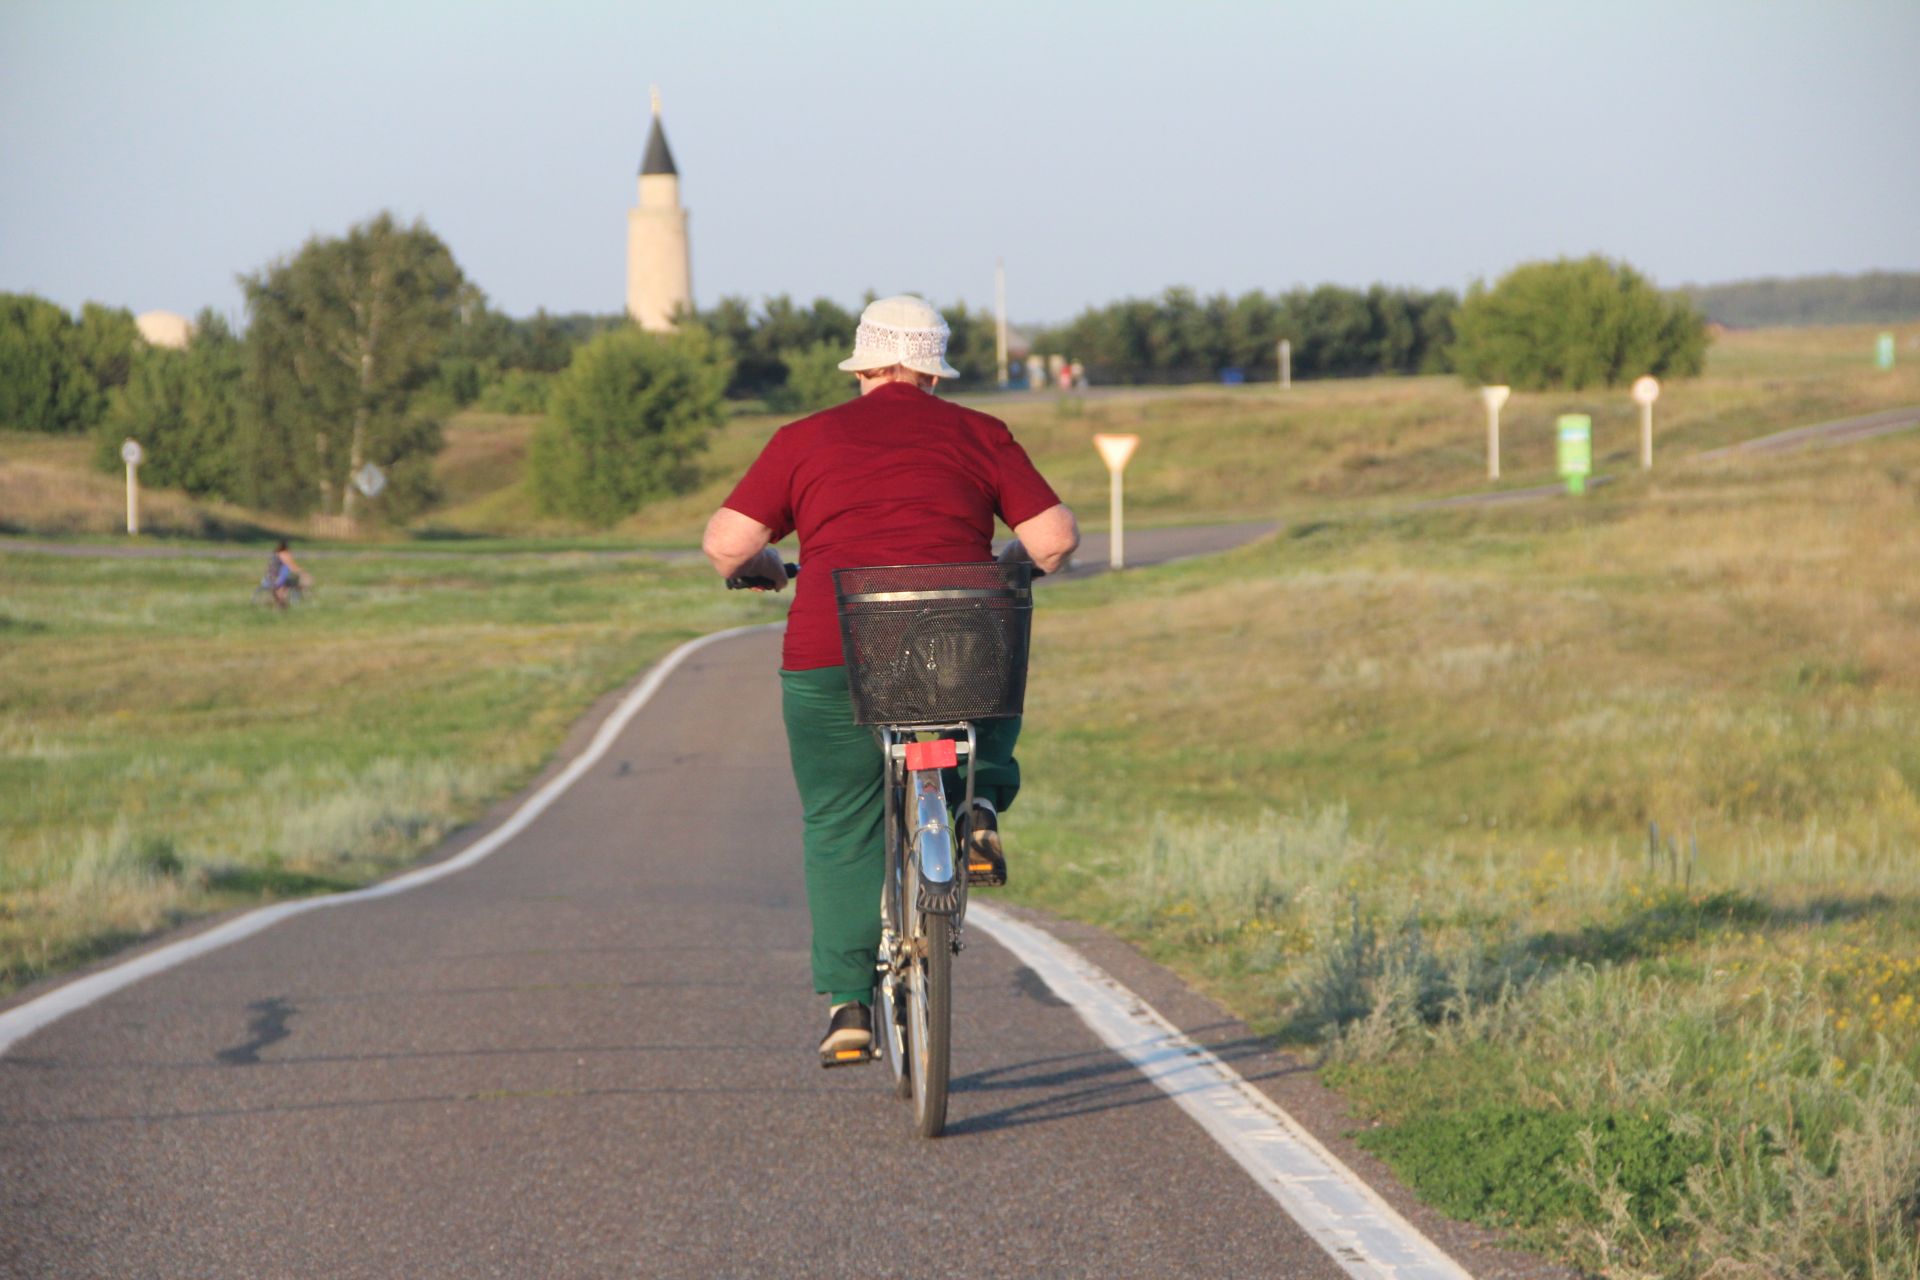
(591, 1055)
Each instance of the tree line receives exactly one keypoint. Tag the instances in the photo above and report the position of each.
(357, 347)
(1873, 297)
(1333, 332)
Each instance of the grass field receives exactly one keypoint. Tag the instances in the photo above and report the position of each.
(1593, 819)
(1575, 840)
(167, 749)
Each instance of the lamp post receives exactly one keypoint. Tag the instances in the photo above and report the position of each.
(1000, 319)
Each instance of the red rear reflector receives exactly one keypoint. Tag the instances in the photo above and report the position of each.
(941, 753)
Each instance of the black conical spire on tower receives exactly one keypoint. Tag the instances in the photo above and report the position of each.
(658, 158)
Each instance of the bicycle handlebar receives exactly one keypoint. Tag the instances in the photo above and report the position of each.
(760, 582)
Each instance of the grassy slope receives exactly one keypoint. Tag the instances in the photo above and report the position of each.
(1207, 453)
(1211, 453)
(285, 753)
(1386, 786)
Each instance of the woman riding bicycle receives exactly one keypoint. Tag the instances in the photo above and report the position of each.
(894, 476)
(282, 574)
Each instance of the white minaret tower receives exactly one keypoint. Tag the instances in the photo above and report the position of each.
(659, 264)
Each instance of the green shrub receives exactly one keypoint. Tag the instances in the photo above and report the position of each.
(1575, 324)
(625, 421)
(1509, 1166)
(183, 407)
(814, 380)
(517, 391)
(45, 383)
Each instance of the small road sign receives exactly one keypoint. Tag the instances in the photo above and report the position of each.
(1114, 451)
(370, 480)
(132, 454)
(1576, 450)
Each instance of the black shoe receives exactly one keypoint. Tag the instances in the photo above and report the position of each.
(849, 1038)
(980, 845)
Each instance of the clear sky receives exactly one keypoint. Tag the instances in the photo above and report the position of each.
(150, 150)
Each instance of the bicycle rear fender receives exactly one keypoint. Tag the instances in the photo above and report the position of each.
(933, 835)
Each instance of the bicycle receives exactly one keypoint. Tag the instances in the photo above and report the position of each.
(930, 649)
(263, 594)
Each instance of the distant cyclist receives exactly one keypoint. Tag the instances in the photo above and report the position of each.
(895, 476)
(282, 574)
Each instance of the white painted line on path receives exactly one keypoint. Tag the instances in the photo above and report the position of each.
(22, 1021)
(1336, 1208)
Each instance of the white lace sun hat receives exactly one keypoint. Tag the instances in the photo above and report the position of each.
(902, 330)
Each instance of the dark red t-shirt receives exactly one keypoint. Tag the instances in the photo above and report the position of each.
(896, 476)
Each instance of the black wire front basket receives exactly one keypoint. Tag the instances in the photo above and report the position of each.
(935, 643)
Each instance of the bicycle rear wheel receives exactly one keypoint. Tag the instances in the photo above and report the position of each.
(930, 1025)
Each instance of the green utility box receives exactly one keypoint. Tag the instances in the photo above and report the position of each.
(1576, 450)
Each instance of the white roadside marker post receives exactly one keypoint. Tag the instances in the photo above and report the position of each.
(1286, 364)
(1114, 451)
(1645, 392)
(132, 454)
(1494, 398)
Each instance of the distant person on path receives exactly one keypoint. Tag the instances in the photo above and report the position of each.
(895, 476)
(282, 573)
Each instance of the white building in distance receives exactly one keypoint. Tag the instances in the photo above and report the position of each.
(659, 261)
(165, 329)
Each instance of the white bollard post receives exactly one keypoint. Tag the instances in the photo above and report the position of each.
(1286, 364)
(1645, 392)
(132, 455)
(1494, 398)
(1114, 451)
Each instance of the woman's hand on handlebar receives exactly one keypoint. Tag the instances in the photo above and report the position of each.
(765, 572)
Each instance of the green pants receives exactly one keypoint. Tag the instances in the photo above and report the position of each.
(838, 769)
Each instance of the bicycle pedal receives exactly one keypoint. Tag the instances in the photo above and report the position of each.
(982, 874)
(850, 1057)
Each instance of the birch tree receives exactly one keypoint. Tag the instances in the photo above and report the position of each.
(339, 337)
